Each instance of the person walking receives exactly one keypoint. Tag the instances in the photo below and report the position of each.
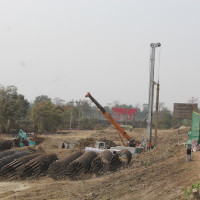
(63, 145)
(67, 147)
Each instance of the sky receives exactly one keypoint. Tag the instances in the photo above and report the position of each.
(66, 48)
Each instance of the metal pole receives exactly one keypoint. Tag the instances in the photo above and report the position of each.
(151, 90)
(70, 122)
(178, 130)
(156, 119)
(126, 116)
(188, 156)
(79, 113)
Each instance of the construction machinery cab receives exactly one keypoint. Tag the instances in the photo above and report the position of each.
(100, 145)
(131, 143)
(22, 139)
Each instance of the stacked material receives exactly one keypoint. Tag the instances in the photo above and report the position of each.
(4, 161)
(101, 163)
(37, 167)
(81, 165)
(8, 153)
(195, 145)
(120, 159)
(57, 169)
(6, 144)
(10, 170)
(16, 142)
(125, 157)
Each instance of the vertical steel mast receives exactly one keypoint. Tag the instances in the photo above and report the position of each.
(151, 89)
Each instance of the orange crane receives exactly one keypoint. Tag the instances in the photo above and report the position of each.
(131, 142)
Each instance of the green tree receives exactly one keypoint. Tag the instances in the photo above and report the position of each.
(13, 107)
(42, 98)
(165, 118)
(58, 101)
(46, 116)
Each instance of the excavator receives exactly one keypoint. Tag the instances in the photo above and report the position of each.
(130, 142)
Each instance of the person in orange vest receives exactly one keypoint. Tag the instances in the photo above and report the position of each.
(149, 145)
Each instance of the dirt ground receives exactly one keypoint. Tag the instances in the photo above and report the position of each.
(161, 173)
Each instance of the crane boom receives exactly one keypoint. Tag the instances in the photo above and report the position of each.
(108, 116)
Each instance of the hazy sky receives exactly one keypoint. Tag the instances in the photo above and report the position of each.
(65, 48)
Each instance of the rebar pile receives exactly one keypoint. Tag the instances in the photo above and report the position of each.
(125, 157)
(6, 144)
(16, 142)
(120, 159)
(101, 163)
(8, 153)
(80, 166)
(37, 167)
(8, 159)
(10, 170)
(57, 169)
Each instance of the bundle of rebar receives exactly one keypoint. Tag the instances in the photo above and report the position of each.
(3, 154)
(80, 166)
(101, 163)
(16, 142)
(57, 169)
(8, 159)
(37, 167)
(125, 157)
(10, 170)
(120, 159)
(6, 144)
(115, 162)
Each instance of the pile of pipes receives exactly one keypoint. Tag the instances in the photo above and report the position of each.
(58, 169)
(36, 167)
(6, 144)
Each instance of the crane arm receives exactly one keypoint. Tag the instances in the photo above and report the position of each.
(108, 116)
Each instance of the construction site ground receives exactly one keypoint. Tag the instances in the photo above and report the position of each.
(161, 173)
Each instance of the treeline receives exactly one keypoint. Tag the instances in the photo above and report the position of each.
(45, 114)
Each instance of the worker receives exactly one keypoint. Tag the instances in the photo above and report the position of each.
(63, 145)
(149, 145)
(131, 128)
(67, 146)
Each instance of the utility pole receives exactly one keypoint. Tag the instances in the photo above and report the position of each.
(71, 114)
(151, 90)
(79, 112)
(156, 119)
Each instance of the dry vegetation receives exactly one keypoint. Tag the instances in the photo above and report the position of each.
(161, 173)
